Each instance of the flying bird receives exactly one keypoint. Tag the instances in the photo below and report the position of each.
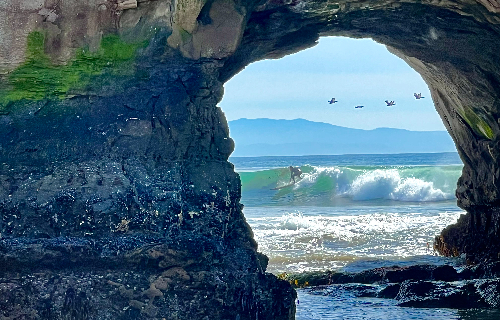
(390, 103)
(359, 107)
(332, 101)
(418, 96)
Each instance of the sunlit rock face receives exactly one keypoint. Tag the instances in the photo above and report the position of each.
(115, 189)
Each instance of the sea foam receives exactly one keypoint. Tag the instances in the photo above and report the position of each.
(334, 186)
(388, 184)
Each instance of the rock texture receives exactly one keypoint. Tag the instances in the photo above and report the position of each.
(420, 286)
(117, 200)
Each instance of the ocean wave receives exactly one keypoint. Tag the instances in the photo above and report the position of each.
(388, 184)
(328, 185)
(295, 221)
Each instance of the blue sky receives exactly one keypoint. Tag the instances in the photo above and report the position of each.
(354, 71)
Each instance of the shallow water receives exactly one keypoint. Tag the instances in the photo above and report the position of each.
(342, 306)
(352, 239)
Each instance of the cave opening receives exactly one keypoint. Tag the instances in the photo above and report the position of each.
(364, 203)
(354, 71)
(378, 161)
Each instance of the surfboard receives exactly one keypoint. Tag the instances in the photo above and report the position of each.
(285, 186)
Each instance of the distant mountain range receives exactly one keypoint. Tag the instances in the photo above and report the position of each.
(269, 137)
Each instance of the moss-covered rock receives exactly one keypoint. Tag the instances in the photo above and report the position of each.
(40, 78)
(480, 122)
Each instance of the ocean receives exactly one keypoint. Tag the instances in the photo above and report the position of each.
(352, 213)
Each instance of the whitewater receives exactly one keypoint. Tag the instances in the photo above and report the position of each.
(351, 213)
(343, 185)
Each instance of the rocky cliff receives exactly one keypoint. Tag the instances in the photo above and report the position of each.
(117, 200)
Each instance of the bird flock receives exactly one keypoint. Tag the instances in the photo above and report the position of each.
(390, 103)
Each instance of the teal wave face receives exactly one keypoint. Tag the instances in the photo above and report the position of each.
(268, 179)
(340, 185)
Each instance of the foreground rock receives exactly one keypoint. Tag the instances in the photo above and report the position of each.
(117, 199)
(420, 286)
(95, 280)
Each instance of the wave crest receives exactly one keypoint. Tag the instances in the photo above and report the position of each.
(336, 185)
(388, 184)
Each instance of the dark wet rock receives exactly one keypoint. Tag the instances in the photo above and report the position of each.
(83, 295)
(361, 290)
(467, 274)
(426, 294)
(483, 293)
(393, 274)
(315, 278)
(139, 279)
(483, 270)
(419, 286)
(489, 290)
(421, 294)
(418, 272)
(399, 274)
(370, 276)
(445, 273)
(126, 185)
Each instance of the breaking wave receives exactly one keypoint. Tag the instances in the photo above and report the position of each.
(331, 185)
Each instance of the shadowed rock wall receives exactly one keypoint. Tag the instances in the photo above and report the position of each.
(117, 200)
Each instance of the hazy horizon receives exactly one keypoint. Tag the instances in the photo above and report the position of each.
(442, 130)
(299, 137)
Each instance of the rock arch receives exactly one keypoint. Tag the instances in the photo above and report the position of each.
(114, 153)
(441, 42)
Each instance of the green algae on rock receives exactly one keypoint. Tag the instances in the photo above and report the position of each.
(40, 78)
(478, 122)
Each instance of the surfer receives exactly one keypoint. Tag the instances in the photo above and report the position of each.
(332, 101)
(295, 172)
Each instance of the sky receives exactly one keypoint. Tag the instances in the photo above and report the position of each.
(354, 71)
